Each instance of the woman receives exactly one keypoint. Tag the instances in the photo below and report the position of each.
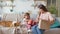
(44, 20)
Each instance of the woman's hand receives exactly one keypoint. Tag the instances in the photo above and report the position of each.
(48, 21)
(37, 19)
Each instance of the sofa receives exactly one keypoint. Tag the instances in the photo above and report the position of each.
(53, 31)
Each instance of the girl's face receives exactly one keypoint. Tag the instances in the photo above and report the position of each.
(41, 11)
(27, 17)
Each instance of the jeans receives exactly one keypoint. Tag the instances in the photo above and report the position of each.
(36, 30)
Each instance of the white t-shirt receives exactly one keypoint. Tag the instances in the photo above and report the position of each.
(45, 16)
(23, 21)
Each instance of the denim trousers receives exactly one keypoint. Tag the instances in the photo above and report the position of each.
(36, 30)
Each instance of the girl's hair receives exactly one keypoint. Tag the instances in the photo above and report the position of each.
(26, 14)
(42, 7)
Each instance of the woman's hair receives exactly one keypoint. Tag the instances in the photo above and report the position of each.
(42, 7)
(26, 14)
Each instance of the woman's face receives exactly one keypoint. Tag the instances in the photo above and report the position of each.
(41, 10)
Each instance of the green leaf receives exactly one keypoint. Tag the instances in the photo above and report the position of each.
(52, 9)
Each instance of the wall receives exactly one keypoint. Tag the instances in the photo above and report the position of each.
(58, 6)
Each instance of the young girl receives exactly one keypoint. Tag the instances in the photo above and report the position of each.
(27, 21)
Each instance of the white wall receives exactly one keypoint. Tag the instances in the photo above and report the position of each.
(21, 6)
(0, 10)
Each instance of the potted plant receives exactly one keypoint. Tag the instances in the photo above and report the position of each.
(53, 10)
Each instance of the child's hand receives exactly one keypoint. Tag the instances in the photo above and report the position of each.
(29, 30)
(30, 22)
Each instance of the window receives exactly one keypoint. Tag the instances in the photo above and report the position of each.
(54, 2)
(48, 2)
(51, 2)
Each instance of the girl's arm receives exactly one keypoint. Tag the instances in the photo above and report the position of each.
(30, 24)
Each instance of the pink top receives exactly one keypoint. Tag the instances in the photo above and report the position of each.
(29, 24)
(46, 16)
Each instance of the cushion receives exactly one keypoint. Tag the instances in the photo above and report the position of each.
(56, 24)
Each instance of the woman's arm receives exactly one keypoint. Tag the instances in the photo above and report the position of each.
(51, 21)
(37, 19)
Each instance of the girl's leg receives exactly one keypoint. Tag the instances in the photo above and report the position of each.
(34, 31)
